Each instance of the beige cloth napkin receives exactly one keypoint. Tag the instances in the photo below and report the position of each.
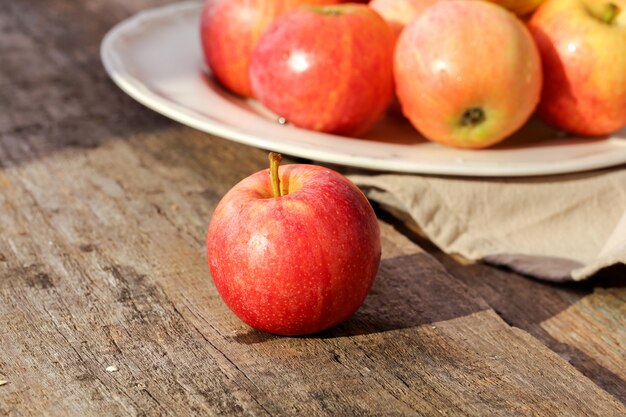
(554, 228)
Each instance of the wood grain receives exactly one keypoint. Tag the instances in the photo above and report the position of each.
(116, 276)
(582, 322)
(595, 326)
(107, 306)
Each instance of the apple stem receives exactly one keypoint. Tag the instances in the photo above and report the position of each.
(611, 11)
(275, 159)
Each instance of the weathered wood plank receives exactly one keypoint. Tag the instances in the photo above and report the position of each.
(582, 322)
(104, 207)
(116, 275)
(595, 326)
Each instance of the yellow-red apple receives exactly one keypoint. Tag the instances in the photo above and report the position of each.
(293, 251)
(583, 50)
(229, 31)
(467, 73)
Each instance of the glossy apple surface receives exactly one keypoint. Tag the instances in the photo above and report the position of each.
(467, 73)
(298, 263)
(229, 31)
(584, 62)
(327, 68)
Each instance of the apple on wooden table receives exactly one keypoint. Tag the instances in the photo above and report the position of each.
(326, 68)
(229, 31)
(583, 50)
(294, 250)
(467, 73)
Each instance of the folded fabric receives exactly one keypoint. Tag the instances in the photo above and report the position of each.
(555, 228)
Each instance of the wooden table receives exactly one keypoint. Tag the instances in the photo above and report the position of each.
(107, 306)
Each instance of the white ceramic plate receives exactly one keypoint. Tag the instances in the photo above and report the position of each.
(155, 57)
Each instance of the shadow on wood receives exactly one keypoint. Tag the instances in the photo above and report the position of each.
(409, 291)
(526, 303)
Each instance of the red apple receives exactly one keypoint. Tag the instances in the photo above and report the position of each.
(326, 68)
(467, 73)
(399, 13)
(229, 31)
(583, 50)
(296, 253)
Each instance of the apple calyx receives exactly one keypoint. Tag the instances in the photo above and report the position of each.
(611, 10)
(275, 159)
(472, 117)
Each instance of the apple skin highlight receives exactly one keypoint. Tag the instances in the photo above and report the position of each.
(299, 263)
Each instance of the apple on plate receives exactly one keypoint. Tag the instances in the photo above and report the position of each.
(293, 250)
(326, 68)
(467, 73)
(229, 31)
(399, 13)
(583, 50)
